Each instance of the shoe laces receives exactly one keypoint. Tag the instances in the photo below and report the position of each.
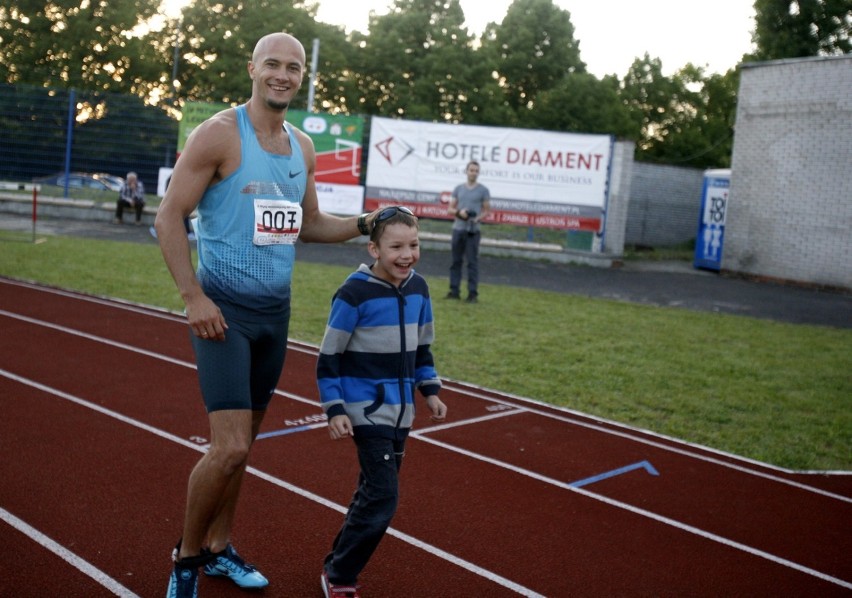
(232, 561)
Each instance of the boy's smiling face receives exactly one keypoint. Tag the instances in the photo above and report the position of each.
(395, 252)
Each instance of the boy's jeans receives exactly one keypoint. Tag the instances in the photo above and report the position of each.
(371, 510)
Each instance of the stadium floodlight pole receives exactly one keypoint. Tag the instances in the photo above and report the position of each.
(175, 68)
(175, 58)
(313, 79)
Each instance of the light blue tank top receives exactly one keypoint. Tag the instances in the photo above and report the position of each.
(238, 275)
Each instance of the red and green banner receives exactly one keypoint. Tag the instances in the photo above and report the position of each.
(337, 139)
(338, 144)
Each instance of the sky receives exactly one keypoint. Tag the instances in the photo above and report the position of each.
(713, 34)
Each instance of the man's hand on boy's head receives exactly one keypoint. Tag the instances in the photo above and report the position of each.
(371, 218)
(339, 427)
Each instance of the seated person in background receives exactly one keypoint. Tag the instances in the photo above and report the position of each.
(132, 194)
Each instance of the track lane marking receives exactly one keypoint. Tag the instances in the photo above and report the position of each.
(77, 562)
(307, 494)
(678, 451)
(543, 413)
(628, 507)
(646, 465)
(461, 387)
(432, 549)
(644, 513)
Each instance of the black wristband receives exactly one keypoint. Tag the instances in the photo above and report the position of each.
(362, 224)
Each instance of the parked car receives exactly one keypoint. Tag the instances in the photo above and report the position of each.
(84, 180)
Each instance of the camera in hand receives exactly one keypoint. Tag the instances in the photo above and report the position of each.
(471, 222)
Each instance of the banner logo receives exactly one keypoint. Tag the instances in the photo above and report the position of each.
(394, 150)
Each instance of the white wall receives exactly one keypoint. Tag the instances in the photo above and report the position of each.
(790, 208)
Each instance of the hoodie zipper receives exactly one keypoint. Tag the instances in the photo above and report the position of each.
(402, 355)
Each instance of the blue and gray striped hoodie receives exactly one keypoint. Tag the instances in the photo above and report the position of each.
(376, 352)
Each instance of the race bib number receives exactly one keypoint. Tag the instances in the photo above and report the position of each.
(276, 222)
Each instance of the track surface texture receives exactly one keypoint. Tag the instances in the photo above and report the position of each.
(103, 422)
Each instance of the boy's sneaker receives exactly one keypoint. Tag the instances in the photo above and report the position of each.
(332, 590)
(229, 564)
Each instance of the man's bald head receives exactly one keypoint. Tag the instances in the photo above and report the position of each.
(268, 43)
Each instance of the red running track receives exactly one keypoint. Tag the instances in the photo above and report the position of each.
(103, 422)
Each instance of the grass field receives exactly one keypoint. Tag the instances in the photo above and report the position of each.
(774, 392)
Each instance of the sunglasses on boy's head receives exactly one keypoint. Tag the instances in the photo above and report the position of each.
(390, 212)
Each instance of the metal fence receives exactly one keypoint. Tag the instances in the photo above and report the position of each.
(45, 131)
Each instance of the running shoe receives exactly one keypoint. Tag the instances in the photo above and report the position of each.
(332, 590)
(229, 564)
(183, 582)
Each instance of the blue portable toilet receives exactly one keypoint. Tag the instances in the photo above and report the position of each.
(711, 222)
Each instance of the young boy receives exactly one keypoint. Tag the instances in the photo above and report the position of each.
(374, 354)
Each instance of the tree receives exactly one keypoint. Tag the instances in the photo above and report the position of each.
(418, 63)
(686, 119)
(218, 38)
(70, 44)
(799, 28)
(534, 48)
(583, 104)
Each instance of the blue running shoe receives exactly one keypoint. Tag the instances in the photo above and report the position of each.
(229, 564)
(183, 582)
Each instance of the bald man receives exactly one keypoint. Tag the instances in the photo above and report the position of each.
(250, 177)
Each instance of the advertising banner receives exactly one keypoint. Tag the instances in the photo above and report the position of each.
(536, 178)
(337, 140)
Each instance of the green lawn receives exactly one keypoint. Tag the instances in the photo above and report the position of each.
(778, 393)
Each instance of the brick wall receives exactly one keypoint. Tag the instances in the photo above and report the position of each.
(790, 209)
(620, 197)
(665, 203)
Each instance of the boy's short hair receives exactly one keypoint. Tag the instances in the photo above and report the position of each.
(392, 215)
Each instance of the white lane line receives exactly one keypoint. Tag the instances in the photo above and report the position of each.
(433, 550)
(148, 310)
(642, 512)
(66, 555)
(466, 422)
(470, 390)
(550, 480)
(671, 449)
(541, 412)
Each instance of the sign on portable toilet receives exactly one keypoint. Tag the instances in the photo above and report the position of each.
(711, 223)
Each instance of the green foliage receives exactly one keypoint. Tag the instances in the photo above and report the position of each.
(686, 119)
(217, 41)
(418, 62)
(798, 28)
(584, 104)
(779, 393)
(72, 44)
(535, 49)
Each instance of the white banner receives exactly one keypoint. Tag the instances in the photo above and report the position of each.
(535, 177)
(343, 200)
